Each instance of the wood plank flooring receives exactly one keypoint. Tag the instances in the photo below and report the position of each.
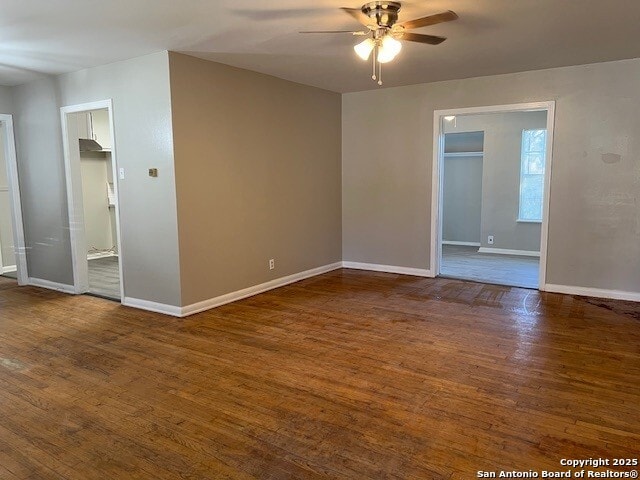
(349, 375)
(463, 262)
(104, 277)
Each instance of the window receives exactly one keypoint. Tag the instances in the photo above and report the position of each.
(534, 146)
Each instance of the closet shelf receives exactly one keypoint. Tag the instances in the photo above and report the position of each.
(463, 154)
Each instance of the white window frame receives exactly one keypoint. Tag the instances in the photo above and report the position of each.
(542, 175)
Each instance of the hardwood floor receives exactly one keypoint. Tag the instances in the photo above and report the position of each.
(465, 263)
(104, 277)
(350, 375)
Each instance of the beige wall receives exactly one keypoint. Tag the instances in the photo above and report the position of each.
(257, 176)
(500, 195)
(594, 222)
(100, 123)
(7, 254)
(97, 218)
(140, 92)
(96, 172)
(6, 230)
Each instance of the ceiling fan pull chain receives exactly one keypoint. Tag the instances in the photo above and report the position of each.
(379, 73)
(373, 74)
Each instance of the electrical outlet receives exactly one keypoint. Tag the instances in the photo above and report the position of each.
(272, 264)
(490, 239)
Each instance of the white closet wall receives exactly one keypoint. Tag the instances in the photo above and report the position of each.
(99, 217)
(7, 254)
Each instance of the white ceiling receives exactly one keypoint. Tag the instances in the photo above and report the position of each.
(491, 37)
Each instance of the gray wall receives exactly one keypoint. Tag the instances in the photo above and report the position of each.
(143, 136)
(594, 223)
(42, 181)
(6, 100)
(500, 178)
(462, 199)
(258, 176)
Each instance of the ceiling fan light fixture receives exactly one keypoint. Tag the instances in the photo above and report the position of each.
(364, 48)
(389, 48)
(380, 17)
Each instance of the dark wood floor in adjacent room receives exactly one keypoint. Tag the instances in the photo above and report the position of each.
(350, 375)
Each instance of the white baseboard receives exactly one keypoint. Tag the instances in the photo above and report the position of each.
(93, 256)
(60, 287)
(256, 289)
(229, 297)
(417, 272)
(506, 251)
(152, 306)
(593, 292)
(9, 269)
(467, 244)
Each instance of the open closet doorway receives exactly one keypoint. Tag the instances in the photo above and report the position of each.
(13, 262)
(491, 193)
(91, 173)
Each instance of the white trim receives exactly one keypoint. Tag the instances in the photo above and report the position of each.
(152, 306)
(435, 254)
(9, 269)
(544, 230)
(511, 107)
(374, 267)
(593, 292)
(74, 197)
(116, 195)
(508, 251)
(73, 181)
(16, 205)
(229, 297)
(60, 287)
(93, 256)
(436, 180)
(256, 289)
(455, 242)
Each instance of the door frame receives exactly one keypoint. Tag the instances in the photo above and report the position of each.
(74, 198)
(14, 198)
(437, 176)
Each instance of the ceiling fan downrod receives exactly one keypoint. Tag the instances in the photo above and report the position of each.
(384, 14)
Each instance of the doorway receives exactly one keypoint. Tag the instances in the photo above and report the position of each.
(92, 194)
(13, 261)
(491, 177)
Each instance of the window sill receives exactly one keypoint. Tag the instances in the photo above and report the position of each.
(520, 220)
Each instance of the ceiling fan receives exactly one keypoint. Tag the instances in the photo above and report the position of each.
(383, 32)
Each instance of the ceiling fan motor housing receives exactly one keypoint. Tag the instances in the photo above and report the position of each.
(385, 14)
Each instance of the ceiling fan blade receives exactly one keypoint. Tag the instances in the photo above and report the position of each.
(335, 31)
(420, 38)
(357, 14)
(430, 20)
